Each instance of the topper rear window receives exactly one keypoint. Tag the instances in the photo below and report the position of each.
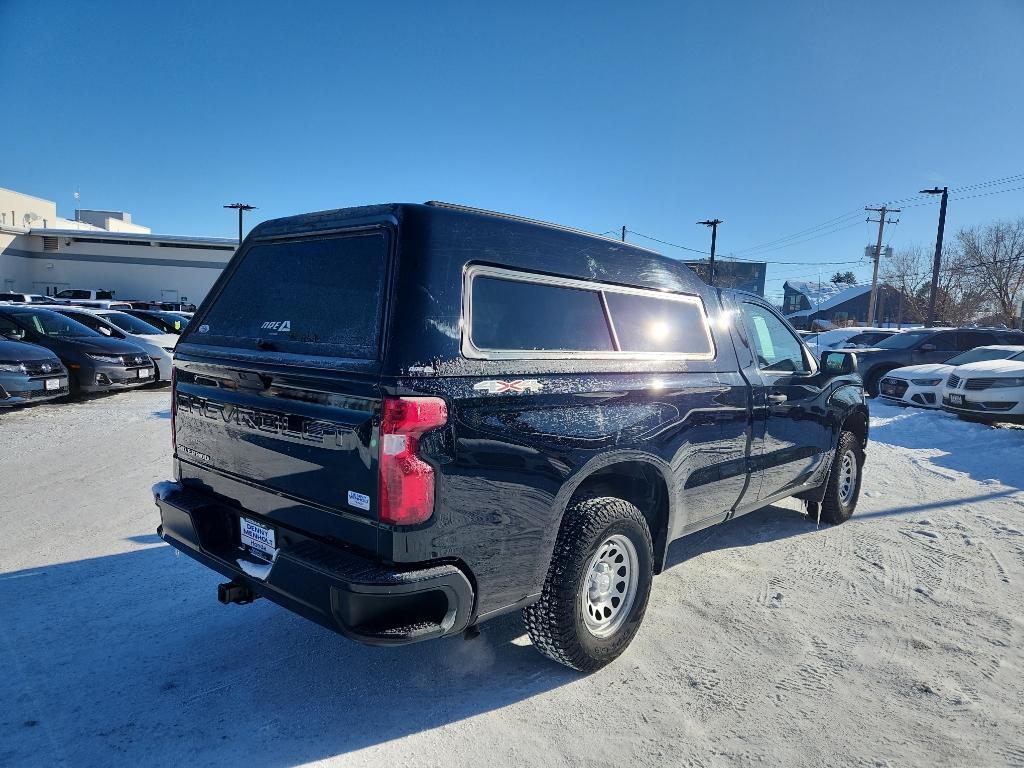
(320, 295)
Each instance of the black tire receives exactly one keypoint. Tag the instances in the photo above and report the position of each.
(556, 623)
(74, 389)
(874, 382)
(840, 498)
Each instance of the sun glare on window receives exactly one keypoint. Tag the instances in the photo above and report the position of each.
(658, 330)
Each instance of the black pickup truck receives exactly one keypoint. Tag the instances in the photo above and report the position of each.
(403, 420)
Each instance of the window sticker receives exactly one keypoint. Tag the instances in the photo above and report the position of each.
(764, 338)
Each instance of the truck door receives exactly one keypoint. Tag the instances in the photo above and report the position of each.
(788, 409)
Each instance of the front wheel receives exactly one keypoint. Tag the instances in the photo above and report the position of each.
(597, 586)
(843, 488)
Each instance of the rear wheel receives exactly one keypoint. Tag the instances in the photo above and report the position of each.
(597, 586)
(843, 488)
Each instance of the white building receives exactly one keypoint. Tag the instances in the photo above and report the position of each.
(41, 252)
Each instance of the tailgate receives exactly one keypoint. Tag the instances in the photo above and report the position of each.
(312, 440)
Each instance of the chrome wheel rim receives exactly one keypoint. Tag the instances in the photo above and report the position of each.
(609, 587)
(847, 478)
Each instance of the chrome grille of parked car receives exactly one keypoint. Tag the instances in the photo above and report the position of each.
(953, 381)
(42, 367)
(133, 361)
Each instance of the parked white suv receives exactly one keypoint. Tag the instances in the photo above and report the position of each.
(921, 385)
(991, 391)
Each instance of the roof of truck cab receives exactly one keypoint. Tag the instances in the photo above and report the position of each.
(429, 231)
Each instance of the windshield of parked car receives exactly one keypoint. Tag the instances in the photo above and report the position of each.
(904, 340)
(980, 355)
(47, 323)
(871, 337)
(130, 324)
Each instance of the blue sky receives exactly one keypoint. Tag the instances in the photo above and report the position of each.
(775, 117)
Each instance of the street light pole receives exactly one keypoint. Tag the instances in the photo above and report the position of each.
(242, 207)
(713, 223)
(938, 250)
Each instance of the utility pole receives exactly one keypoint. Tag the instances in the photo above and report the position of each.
(713, 223)
(242, 207)
(623, 233)
(882, 221)
(938, 250)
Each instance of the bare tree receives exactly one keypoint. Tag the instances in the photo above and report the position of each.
(909, 271)
(993, 255)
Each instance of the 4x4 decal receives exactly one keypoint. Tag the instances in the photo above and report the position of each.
(500, 387)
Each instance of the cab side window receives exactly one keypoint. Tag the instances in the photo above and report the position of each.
(776, 347)
(972, 339)
(945, 340)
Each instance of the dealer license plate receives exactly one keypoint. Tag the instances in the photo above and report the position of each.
(258, 537)
(145, 373)
(956, 399)
(52, 384)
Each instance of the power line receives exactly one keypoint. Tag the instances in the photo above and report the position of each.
(666, 242)
(807, 239)
(830, 222)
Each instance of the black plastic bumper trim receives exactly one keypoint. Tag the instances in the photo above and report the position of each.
(357, 597)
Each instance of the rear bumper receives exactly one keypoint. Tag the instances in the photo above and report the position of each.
(345, 592)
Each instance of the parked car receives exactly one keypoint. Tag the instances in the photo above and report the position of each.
(120, 325)
(922, 384)
(29, 374)
(865, 339)
(82, 294)
(162, 306)
(989, 390)
(494, 415)
(168, 322)
(837, 338)
(95, 363)
(925, 345)
(25, 298)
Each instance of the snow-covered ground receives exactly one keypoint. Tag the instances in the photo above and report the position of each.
(895, 639)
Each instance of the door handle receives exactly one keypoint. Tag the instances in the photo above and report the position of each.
(777, 399)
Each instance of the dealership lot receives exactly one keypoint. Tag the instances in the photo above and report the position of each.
(768, 641)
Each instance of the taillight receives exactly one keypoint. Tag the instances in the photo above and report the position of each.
(174, 409)
(406, 481)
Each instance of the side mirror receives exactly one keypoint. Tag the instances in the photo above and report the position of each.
(836, 363)
(928, 347)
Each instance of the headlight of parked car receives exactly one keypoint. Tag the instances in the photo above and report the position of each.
(106, 358)
(1015, 381)
(927, 382)
(12, 367)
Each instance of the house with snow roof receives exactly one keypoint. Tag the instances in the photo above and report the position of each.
(810, 305)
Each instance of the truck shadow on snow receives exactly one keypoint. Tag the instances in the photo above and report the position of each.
(129, 659)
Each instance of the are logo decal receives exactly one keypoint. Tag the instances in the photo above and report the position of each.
(279, 326)
(518, 386)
